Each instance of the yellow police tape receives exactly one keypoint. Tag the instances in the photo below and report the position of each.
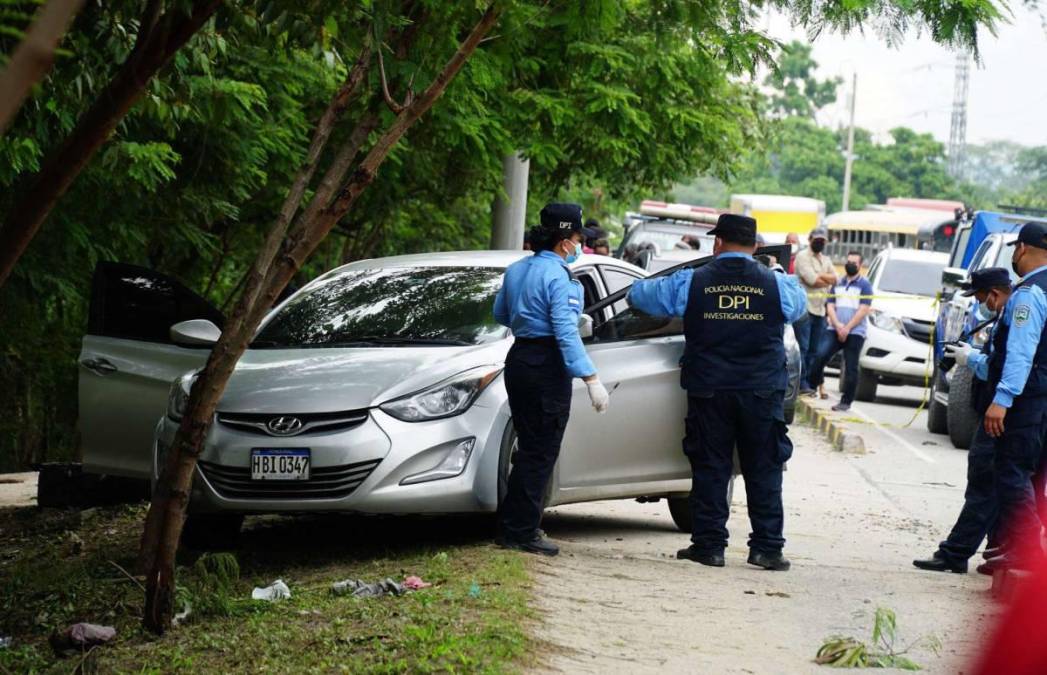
(929, 369)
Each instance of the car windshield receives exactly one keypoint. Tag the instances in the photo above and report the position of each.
(915, 277)
(388, 307)
(1003, 259)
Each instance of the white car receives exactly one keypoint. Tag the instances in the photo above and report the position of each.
(377, 388)
(898, 349)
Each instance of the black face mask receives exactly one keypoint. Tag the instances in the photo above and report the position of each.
(851, 269)
(1014, 265)
(818, 245)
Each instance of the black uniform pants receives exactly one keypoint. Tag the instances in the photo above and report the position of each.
(980, 506)
(1019, 458)
(716, 423)
(539, 389)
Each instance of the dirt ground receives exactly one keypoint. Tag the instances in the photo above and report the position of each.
(617, 600)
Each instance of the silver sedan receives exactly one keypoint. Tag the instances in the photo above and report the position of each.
(377, 389)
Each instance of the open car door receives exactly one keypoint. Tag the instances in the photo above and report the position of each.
(635, 449)
(127, 363)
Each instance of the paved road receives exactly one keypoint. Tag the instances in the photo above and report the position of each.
(618, 601)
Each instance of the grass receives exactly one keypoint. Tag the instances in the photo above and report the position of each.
(57, 568)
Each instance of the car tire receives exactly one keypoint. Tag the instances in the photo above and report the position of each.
(680, 509)
(212, 532)
(962, 420)
(866, 390)
(937, 413)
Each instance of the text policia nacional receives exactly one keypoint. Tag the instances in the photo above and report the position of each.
(733, 297)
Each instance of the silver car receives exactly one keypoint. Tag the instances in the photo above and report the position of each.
(377, 389)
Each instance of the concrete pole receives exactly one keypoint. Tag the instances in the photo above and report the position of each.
(850, 150)
(510, 210)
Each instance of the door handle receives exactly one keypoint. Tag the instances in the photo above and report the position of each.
(99, 366)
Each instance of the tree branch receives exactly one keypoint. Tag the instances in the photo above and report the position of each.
(34, 56)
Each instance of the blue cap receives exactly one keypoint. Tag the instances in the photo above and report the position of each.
(985, 279)
(1032, 234)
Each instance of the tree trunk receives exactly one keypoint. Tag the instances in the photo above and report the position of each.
(167, 511)
(161, 39)
(33, 56)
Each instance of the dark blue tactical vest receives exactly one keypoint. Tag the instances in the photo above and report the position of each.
(1036, 385)
(733, 325)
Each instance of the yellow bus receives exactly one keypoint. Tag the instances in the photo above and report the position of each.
(874, 229)
(778, 215)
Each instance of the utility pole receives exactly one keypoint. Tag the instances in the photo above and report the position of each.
(958, 127)
(849, 157)
(510, 210)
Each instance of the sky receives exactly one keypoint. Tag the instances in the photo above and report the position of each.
(911, 84)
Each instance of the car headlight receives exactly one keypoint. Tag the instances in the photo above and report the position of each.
(444, 399)
(178, 397)
(886, 321)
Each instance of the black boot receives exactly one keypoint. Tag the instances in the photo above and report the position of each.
(704, 557)
(769, 561)
(538, 544)
(939, 563)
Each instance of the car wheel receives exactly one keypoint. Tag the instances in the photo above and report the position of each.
(212, 531)
(961, 419)
(866, 390)
(680, 509)
(937, 413)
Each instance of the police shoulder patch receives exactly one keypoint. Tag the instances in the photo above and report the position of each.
(1021, 315)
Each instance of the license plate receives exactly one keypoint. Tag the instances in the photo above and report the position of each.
(280, 464)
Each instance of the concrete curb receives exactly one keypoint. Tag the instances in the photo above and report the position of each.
(842, 440)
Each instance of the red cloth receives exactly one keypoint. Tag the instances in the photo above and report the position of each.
(1017, 646)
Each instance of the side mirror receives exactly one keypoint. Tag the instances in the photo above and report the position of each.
(585, 326)
(952, 277)
(195, 333)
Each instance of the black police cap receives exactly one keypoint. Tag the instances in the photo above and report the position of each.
(1032, 234)
(736, 227)
(564, 218)
(983, 280)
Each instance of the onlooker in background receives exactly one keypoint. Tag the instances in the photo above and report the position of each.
(793, 240)
(527, 241)
(601, 247)
(845, 328)
(817, 275)
(593, 233)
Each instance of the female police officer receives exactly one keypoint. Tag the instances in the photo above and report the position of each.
(541, 302)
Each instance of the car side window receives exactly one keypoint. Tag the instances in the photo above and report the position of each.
(588, 281)
(135, 303)
(632, 324)
(980, 258)
(615, 280)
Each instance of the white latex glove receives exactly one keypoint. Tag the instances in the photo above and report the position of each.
(961, 352)
(598, 395)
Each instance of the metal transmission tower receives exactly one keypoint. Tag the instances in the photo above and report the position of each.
(958, 128)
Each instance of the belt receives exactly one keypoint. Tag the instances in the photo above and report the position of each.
(543, 341)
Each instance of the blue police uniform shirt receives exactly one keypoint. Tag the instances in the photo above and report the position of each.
(1024, 314)
(668, 296)
(540, 298)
